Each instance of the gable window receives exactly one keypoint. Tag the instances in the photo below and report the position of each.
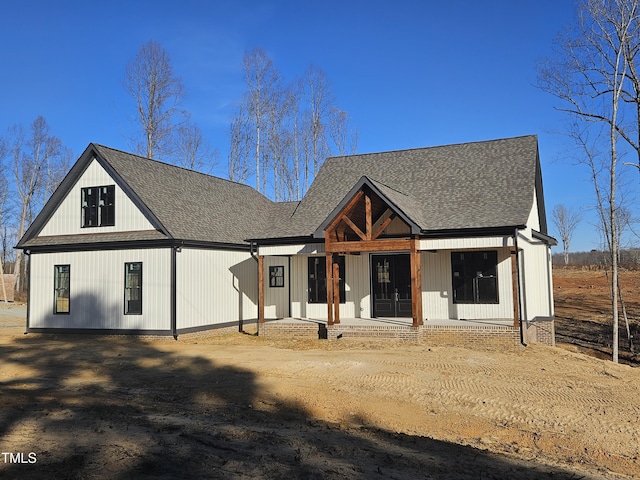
(475, 277)
(98, 206)
(133, 288)
(317, 279)
(61, 284)
(276, 276)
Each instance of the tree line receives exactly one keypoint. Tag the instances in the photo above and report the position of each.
(279, 135)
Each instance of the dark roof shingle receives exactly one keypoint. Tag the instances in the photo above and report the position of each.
(464, 186)
(192, 205)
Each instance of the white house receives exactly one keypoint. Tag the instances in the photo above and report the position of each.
(421, 243)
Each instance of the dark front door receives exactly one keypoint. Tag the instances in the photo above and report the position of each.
(391, 285)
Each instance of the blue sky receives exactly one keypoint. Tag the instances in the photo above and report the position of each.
(410, 73)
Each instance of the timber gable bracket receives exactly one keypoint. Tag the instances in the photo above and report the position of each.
(357, 225)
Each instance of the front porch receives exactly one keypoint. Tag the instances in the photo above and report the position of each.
(442, 332)
(368, 273)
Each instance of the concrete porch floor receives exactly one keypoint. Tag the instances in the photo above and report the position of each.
(396, 322)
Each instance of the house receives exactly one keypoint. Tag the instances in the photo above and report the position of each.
(443, 243)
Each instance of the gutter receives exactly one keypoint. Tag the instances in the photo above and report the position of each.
(515, 243)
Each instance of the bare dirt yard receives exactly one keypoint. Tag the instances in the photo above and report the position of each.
(241, 407)
(583, 312)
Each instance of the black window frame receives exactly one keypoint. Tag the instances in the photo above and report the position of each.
(474, 277)
(317, 285)
(97, 205)
(57, 288)
(132, 306)
(276, 276)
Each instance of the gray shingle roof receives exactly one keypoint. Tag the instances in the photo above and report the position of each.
(465, 186)
(192, 205)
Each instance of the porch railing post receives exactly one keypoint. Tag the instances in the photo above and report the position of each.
(329, 270)
(416, 284)
(336, 292)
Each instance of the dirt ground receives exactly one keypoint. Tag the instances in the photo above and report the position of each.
(240, 407)
(583, 312)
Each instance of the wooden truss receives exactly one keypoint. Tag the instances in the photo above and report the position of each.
(358, 228)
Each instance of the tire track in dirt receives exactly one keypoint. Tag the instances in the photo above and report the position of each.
(549, 398)
(495, 395)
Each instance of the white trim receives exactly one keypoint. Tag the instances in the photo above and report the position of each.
(466, 242)
(301, 249)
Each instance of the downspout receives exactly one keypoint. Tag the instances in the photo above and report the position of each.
(519, 288)
(174, 323)
(28, 254)
(289, 282)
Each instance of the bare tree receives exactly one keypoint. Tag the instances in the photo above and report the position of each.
(263, 86)
(565, 221)
(591, 77)
(158, 93)
(33, 152)
(192, 150)
(4, 194)
(319, 99)
(240, 147)
(345, 141)
(287, 130)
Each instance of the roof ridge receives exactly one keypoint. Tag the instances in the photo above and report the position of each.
(401, 150)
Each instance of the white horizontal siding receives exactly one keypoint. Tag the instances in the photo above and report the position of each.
(215, 287)
(67, 219)
(97, 290)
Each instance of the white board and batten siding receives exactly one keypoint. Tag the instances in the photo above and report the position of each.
(537, 280)
(437, 290)
(97, 290)
(215, 287)
(357, 290)
(67, 219)
(437, 296)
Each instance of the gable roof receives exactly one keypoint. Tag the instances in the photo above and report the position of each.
(400, 204)
(469, 186)
(179, 203)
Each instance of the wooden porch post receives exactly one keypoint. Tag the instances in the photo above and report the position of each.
(260, 288)
(336, 292)
(514, 286)
(329, 269)
(416, 284)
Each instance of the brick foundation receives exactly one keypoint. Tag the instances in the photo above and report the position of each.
(492, 336)
(540, 332)
(468, 336)
(297, 330)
